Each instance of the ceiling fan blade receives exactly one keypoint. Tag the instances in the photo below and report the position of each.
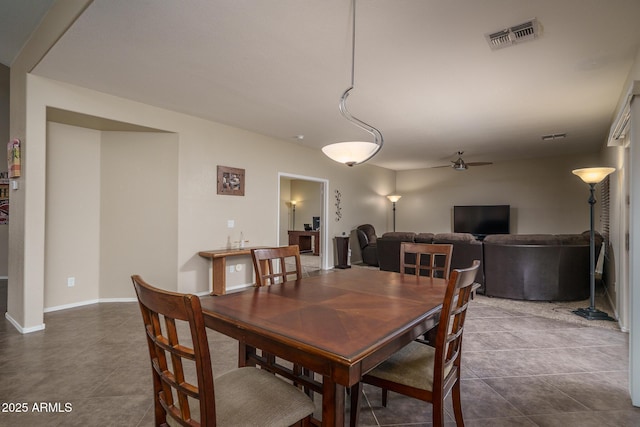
(461, 164)
(452, 155)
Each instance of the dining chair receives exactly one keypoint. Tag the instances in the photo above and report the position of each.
(424, 372)
(276, 265)
(426, 259)
(175, 330)
(430, 260)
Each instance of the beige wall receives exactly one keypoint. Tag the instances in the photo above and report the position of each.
(544, 195)
(308, 196)
(139, 211)
(72, 236)
(111, 211)
(202, 215)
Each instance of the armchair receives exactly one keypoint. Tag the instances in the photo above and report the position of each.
(368, 244)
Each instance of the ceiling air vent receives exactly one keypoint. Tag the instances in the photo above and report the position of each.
(517, 34)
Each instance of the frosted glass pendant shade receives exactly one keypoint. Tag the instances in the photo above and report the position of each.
(593, 175)
(350, 153)
(353, 152)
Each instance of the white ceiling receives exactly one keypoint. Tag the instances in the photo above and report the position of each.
(424, 74)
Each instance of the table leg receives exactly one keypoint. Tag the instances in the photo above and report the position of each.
(332, 403)
(218, 276)
(244, 354)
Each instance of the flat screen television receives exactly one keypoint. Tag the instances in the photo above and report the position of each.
(481, 220)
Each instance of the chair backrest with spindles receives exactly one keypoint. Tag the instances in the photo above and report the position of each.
(426, 259)
(276, 265)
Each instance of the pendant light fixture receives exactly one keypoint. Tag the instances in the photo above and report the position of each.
(354, 152)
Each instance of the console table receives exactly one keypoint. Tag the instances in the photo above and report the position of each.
(306, 240)
(219, 266)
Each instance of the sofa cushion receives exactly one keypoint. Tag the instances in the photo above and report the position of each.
(402, 236)
(522, 239)
(597, 237)
(424, 238)
(573, 239)
(455, 237)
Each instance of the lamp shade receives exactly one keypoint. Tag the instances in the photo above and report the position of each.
(394, 197)
(350, 153)
(593, 175)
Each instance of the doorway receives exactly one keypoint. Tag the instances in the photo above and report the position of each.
(303, 204)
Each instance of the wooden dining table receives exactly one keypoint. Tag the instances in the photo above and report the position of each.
(339, 325)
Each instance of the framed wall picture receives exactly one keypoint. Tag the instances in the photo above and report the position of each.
(230, 181)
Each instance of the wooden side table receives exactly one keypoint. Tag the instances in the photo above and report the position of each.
(219, 266)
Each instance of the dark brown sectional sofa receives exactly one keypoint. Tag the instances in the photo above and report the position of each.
(537, 267)
(465, 249)
(389, 247)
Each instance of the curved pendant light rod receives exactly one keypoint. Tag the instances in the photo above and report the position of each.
(377, 135)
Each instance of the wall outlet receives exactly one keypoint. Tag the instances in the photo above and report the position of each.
(232, 269)
(231, 223)
(71, 282)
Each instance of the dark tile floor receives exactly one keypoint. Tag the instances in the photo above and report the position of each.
(519, 370)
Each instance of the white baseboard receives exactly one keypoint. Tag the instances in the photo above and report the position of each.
(20, 328)
(88, 302)
(118, 300)
(72, 305)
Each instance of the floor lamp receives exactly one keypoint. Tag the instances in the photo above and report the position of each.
(592, 176)
(293, 206)
(394, 198)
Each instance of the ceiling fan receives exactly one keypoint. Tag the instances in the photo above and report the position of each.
(461, 165)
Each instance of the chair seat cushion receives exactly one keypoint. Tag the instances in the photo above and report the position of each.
(253, 397)
(411, 366)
